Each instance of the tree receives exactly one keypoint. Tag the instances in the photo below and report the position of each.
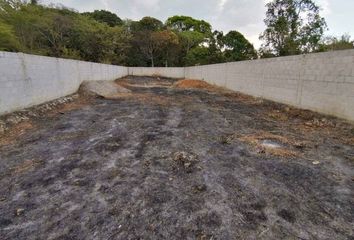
(237, 47)
(293, 27)
(192, 33)
(155, 44)
(197, 56)
(148, 24)
(331, 43)
(185, 23)
(169, 43)
(216, 47)
(23, 20)
(104, 16)
(8, 40)
(101, 36)
(190, 39)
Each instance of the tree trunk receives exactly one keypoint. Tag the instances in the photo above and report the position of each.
(152, 61)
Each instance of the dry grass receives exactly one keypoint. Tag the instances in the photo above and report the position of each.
(278, 115)
(236, 96)
(14, 132)
(278, 152)
(126, 83)
(195, 84)
(24, 167)
(255, 140)
(264, 136)
(79, 103)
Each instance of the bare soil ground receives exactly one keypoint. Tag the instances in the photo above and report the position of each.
(176, 160)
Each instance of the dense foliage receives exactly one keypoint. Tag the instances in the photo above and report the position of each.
(101, 36)
(293, 27)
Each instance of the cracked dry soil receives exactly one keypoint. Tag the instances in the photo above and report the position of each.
(170, 163)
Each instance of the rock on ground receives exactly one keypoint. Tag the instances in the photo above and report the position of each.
(106, 89)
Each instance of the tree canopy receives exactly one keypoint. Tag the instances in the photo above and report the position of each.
(104, 16)
(237, 47)
(293, 27)
(185, 23)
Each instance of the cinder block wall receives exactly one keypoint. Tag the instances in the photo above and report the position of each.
(171, 72)
(323, 82)
(27, 80)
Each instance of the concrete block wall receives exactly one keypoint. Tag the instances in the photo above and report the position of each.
(172, 72)
(323, 82)
(28, 80)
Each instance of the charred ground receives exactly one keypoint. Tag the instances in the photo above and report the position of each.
(168, 162)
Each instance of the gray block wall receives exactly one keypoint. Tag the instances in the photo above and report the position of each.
(322, 82)
(172, 72)
(28, 80)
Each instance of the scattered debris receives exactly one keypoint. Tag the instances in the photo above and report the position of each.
(320, 123)
(2, 127)
(20, 211)
(185, 159)
(147, 163)
(9, 121)
(199, 188)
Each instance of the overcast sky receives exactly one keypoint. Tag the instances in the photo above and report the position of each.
(245, 16)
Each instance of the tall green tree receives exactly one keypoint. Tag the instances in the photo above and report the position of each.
(104, 16)
(237, 47)
(293, 27)
(149, 24)
(192, 33)
(185, 23)
(216, 47)
(197, 56)
(156, 44)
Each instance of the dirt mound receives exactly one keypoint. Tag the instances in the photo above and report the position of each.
(105, 89)
(190, 83)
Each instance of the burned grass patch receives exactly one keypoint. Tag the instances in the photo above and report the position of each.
(164, 162)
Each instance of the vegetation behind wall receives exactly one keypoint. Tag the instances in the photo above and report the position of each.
(101, 36)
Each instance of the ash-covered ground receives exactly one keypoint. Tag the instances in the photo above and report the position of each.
(168, 162)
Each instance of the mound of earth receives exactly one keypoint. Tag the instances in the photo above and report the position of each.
(105, 89)
(190, 83)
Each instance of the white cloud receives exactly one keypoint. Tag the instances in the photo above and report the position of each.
(105, 4)
(221, 4)
(325, 7)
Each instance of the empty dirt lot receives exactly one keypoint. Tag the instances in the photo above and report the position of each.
(169, 162)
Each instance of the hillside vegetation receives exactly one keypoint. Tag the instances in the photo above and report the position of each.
(101, 36)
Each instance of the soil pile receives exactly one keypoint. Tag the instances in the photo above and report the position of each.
(189, 83)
